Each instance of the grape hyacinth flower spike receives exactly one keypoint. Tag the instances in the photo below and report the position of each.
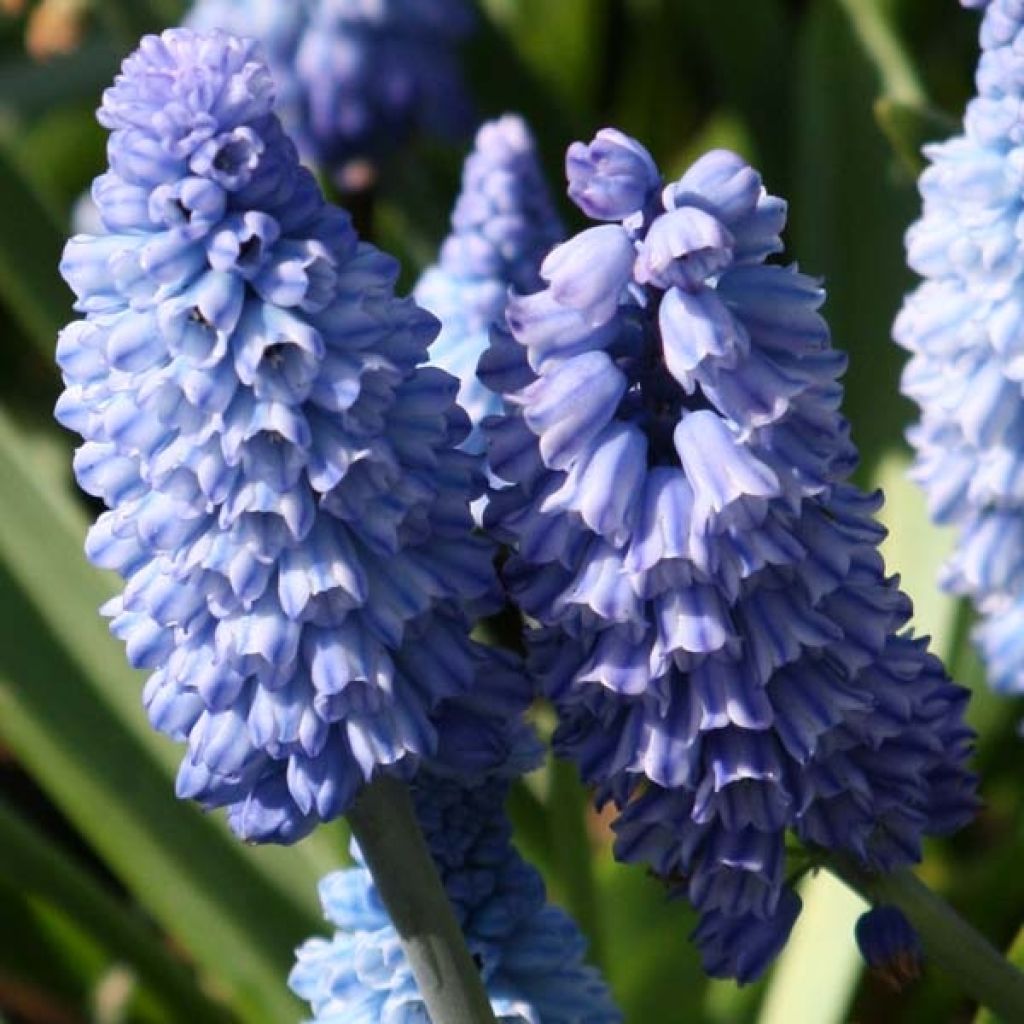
(356, 81)
(716, 630)
(287, 503)
(962, 326)
(503, 225)
(529, 953)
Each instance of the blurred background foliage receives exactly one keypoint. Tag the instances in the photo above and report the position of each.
(117, 903)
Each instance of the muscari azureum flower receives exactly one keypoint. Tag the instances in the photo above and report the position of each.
(717, 631)
(288, 506)
(355, 78)
(963, 326)
(530, 953)
(503, 225)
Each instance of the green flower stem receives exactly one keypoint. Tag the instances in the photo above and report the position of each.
(1015, 954)
(950, 943)
(396, 853)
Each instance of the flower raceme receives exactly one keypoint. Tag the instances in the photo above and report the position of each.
(503, 225)
(530, 954)
(287, 503)
(716, 629)
(355, 80)
(962, 326)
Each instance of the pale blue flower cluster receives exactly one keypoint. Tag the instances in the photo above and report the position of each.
(717, 632)
(503, 225)
(963, 326)
(355, 78)
(530, 953)
(287, 502)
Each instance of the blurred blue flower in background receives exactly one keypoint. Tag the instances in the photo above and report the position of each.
(964, 326)
(356, 79)
(718, 634)
(503, 225)
(288, 506)
(530, 953)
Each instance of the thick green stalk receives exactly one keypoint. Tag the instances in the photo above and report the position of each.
(1015, 954)
(396, 853)
(953, 945)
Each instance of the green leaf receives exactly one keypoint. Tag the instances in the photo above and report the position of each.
(179, 866)
(902, 110)
(909, 126)
(916, 548)
(744, 70)
(532, 827)
(817, 973)
(61, 154)
(36, 866)
(561, 43)
(651, 964)
(568, 813)
(31, 242)
(1015, 954)
(850, 209)
(872, 23)
(42, 950)
(70, 710)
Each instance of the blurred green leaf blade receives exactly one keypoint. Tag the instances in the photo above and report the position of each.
(34, 864)
(851, 205)
(56, 713)
(817, 973)
(30, 248)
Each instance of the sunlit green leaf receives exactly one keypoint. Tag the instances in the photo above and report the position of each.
(817, 973)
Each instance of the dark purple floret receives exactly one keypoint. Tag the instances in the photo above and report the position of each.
(728, 658)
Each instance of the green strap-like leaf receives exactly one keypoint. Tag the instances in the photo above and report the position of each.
(849, 212)
(34, 865)
(70, 711)
(902, 109)
(1015, 954)
(30, 249)
(909, 126)
(815, 977)
(872, 23)
(181, 867)
(569, 804)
